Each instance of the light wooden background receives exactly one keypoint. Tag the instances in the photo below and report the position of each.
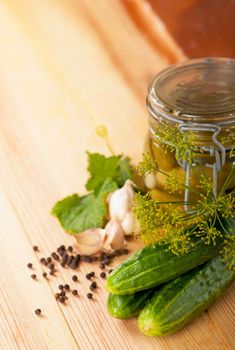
(65, 67)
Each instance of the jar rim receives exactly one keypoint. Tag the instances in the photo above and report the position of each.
(195, 91)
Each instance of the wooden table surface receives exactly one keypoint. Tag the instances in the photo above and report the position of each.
(67, 66)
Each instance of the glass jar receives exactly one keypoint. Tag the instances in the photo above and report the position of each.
(195, 97)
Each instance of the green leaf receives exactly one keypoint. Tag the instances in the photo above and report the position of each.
(100, 167)
(77, 214)
(125, 171)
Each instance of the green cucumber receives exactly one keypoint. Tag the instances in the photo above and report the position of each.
(184, 298)
(130, 305)
(155, 265)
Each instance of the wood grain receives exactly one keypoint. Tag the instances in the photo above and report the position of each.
(61, 74)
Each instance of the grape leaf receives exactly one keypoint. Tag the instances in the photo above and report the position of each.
(100, 167)
(77, 214)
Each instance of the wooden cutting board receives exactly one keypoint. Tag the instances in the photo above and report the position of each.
(67, 66)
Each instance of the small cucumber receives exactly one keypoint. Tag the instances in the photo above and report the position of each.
(130, 305)
(155, 265)
(184, 298)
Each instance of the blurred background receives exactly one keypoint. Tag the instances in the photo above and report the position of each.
(200, 27)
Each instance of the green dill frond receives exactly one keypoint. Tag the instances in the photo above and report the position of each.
(147, 165)
(228, 252)
(229, 140)
(174, 182)
(206, 185)
(158, 220)
(179, 242)
(206, 206)
(145, 210)
(208, 232)
(226, 206)
(183, 144)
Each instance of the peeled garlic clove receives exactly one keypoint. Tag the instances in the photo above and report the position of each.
(91, 241)
(114, 236)
(120, 201)
(130, 224)
(150, 181)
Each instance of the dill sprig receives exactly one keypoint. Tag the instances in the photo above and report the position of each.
(147, 165)
(208, 232)
(162, 220)
(208, 217)
(183, 144)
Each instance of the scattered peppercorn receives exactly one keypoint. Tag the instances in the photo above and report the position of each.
(61, 287)
(62, 294)
(35, 248)
(51, 266)
(49, 260)
(38, 312)
(55, 256)
(43, 261)
(89, 295)
(66, 286)
(57, 295)
(70, 248)
(88, 276)
(44, 275)
(86, 258)
(75, 292)
(29, 265)
(110, 271)
(74, 278)
(64, 259)
(103, 275)
(33, 277)
(92, 273)
(101, 266)
(74, 264)
(60, 248)
(52, 272)
(61, 299)
(93, 285)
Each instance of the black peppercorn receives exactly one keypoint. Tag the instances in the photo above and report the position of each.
(74, 278)
(103, 275)
(38, 312)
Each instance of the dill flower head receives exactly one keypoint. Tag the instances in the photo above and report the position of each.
(174, 182)
(183, 144)
(208, 232)
(147, 165)
(179, 242)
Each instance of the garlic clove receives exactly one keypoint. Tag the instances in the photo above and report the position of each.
(114, 236)
(120, 202)
(130, 223)
(150, 181)
(91, 241)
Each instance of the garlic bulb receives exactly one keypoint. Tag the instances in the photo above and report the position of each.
(150, 181)
(114, 236)
(130, 223)
(91, 241)
(120, 201)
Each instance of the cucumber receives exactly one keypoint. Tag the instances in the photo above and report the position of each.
(155, 265)
(130, 305)
(184, 298)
